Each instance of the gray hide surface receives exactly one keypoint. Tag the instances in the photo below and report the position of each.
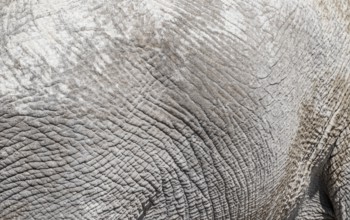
(174, 109)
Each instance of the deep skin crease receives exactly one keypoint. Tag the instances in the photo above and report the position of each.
(160, 109)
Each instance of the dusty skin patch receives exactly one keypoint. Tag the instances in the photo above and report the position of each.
(323, 117)
(336, 9)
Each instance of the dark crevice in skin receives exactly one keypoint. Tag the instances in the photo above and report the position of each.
(327, 176)
(324, 179)
(317, 186)
(321, 180)
(327, 202)
(146, 206)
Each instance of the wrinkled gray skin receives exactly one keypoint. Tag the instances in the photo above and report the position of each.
(186, 109)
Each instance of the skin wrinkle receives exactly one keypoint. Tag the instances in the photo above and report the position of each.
(183, 134)
(160, 129)
(326, 133)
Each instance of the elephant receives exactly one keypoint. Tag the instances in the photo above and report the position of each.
(163, 109)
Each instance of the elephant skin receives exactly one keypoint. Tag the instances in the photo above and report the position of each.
(163, 109)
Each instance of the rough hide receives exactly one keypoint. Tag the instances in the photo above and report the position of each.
(161, 109)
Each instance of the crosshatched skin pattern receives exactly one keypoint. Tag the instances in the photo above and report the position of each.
(163, 109)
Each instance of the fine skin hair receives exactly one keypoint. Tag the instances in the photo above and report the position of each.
(162, 109)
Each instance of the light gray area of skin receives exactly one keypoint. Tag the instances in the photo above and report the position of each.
(163, 109)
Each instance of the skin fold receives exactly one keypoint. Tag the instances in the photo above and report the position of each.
(161, 109)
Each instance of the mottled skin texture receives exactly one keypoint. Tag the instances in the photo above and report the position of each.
(161, 109)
